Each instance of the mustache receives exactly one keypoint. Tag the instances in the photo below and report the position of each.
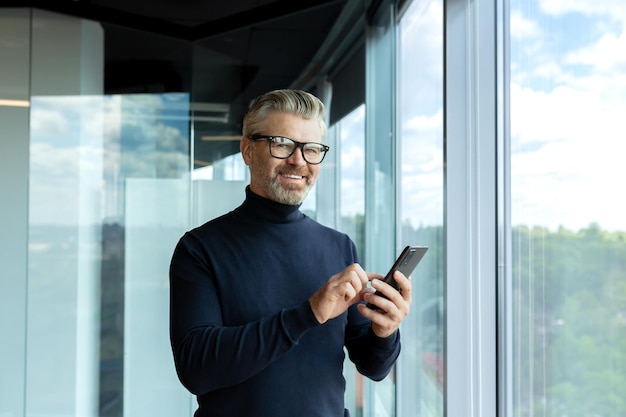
(301, 173)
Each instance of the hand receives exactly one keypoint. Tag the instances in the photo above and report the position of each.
(340, 292)
(391, 310)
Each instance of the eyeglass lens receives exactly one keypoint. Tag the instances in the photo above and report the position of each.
(284, 147)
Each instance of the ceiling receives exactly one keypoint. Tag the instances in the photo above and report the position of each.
(223, 52)
(254, 43)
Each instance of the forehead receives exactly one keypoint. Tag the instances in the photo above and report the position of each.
(292, 126)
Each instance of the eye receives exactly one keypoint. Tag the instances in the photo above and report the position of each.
(279, 142)
(312, 149)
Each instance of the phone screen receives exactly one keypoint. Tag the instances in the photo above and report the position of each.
(406, 263)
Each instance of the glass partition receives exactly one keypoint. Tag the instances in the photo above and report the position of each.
(15, 29)
(109, 198)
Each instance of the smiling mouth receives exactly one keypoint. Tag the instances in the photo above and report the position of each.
(293, 177)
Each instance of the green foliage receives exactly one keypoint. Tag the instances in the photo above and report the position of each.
(569, 322)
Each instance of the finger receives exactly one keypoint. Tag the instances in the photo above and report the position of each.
(364, 292)
(396, 303)
(405, 285)
(386, 289)
(357, 279)
(354, 270)
(353, 286)
(374, 275)
(349, 291)
(384, 304)
(363, 276)
(383, 324)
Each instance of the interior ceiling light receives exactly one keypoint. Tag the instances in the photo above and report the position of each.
(14, 103)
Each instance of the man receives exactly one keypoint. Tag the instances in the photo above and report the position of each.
(264, 299)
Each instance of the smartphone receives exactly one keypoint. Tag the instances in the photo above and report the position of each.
(406, 263)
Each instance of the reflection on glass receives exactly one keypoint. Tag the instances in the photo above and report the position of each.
(108, 201)
(421, 204)
(568, 100)
(351, 130)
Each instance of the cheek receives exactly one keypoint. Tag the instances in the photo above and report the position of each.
(261, 168)
(315, 170)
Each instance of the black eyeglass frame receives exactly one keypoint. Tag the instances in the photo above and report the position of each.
(301, 145)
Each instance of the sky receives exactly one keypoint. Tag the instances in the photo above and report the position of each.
(420, 112)
(568, 112)
(84, 147)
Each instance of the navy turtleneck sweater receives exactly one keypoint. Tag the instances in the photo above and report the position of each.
(243, 334)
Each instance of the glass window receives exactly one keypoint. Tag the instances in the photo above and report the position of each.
(420, 119)
(568, 100)
(350, 131)
(380, 175)
(352, 177)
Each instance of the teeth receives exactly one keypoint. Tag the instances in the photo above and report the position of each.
(295, 177)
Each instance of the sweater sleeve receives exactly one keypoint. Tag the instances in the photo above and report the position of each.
(209, 355)
(373, 356)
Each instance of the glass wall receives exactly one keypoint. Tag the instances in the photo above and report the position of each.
(351, 131)
(15, 35)
(568, 100)
(108, 202)
(106, 181)
(420, 194)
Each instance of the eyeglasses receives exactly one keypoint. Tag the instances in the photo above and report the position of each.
(282, 148)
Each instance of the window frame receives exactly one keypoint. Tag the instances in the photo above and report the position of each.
(473, 130)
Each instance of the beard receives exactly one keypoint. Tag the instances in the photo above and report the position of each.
(286, 194)
(266, 177)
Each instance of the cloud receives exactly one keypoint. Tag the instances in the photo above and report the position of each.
(421, 62)
(522, 27)
(352, 164)
(421, 170)
(572, 176)
(568, 98)
(604, 8)
(607, 55)
(84, 147)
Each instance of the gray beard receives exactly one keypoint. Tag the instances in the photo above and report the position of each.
(289, 197)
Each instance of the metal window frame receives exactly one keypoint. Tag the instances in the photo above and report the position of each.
(473, 129)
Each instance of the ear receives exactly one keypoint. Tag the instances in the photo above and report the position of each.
(246, 147)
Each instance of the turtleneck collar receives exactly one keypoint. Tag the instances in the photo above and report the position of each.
(256, 207)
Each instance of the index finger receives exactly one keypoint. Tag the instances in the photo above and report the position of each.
(360, 273)
(374, 275)
(403, 282)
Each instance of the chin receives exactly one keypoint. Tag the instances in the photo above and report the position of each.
(290, 197)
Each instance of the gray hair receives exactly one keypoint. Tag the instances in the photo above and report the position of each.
(296, 102)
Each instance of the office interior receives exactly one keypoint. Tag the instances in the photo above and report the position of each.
(491, 131)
